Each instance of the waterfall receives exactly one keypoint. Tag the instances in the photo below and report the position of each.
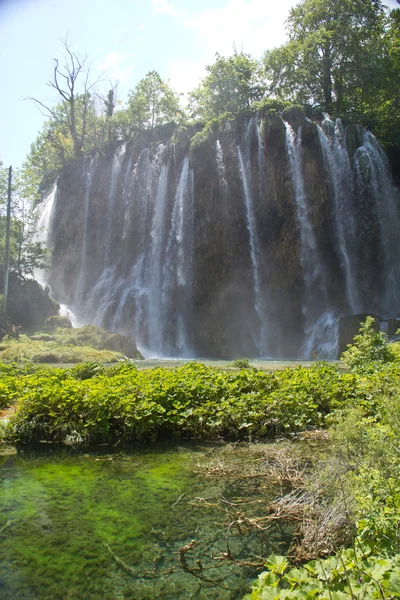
(178, 261)
(221, 167)
(315, 288)
(323, 338)
(387, 202)
(262, 175)
(332, 140)
(45, 212)
(114, 179)
(155, 264)
(245, 170)
(230, 246)
(88, 169)
(45, 215)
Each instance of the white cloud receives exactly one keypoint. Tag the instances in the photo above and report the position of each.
(251, 25)
(162, 7)
(114, 65)
(185, 75)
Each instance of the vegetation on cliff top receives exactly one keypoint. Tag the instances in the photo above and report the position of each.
(341, 57)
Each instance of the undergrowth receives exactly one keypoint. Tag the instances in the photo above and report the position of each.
(359, 483)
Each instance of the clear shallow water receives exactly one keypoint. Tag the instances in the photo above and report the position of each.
(266, 365)
(100, 525)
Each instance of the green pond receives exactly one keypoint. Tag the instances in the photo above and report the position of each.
(80, 525)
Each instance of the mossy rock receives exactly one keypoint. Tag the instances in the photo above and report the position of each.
(68, 345)
(21, 351)
(295, 116)
(56, 321)
(90, 335)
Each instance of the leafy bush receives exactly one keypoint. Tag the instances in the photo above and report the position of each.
(241, 363)
(349, 574)
(190, 401)
(86, 370)
(362, 474)
(369, 350)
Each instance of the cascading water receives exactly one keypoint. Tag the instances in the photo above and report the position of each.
(177, 278)
(45, 215)
(42, 235)
(337, 163)
(372, 171)
(259, 305)
(211, 249)
(221, 167)
(315, 299)
(155, 263)
(114, 180)
(88, 169)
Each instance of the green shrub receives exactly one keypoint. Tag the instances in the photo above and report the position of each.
(369, 350)
(86, 370)
(189, 401)
(241, 363)
(349, 574)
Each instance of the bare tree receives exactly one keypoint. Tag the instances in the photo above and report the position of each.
(71, 82)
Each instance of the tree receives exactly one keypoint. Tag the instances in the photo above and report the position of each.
(334, 51)
(26, 254)
(71, 82)
(232, 84)
(382, 112)
(151, 103)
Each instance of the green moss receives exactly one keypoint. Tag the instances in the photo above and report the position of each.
(57, 321)
(67, 345)
(35, 351)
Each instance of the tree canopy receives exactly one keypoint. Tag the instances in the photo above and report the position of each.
(232, 84)
(333, 53)
(342, 57)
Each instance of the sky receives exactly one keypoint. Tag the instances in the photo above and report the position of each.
(123, 40)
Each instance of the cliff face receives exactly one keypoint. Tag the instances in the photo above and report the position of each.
(252, 242)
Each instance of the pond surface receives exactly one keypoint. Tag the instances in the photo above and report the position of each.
(78, 525)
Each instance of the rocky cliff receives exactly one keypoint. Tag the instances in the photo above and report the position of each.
(251, 241)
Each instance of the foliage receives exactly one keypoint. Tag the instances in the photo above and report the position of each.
(189, 401)
(241, 363)
(350, 574)
(369, 350)
(86, 370)
(151, 103)
(26, 254)
(232, 84)
(383, 114)
(362, 476)
(64, 344)
(333, 49)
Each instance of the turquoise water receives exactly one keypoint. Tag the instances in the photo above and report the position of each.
(80, 525)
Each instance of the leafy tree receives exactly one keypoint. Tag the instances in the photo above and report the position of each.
(26, 254)
(334, 50)
(232, 84)
(382, 112)
(151, 103)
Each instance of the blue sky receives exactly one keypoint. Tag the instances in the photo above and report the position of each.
(123, 38)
